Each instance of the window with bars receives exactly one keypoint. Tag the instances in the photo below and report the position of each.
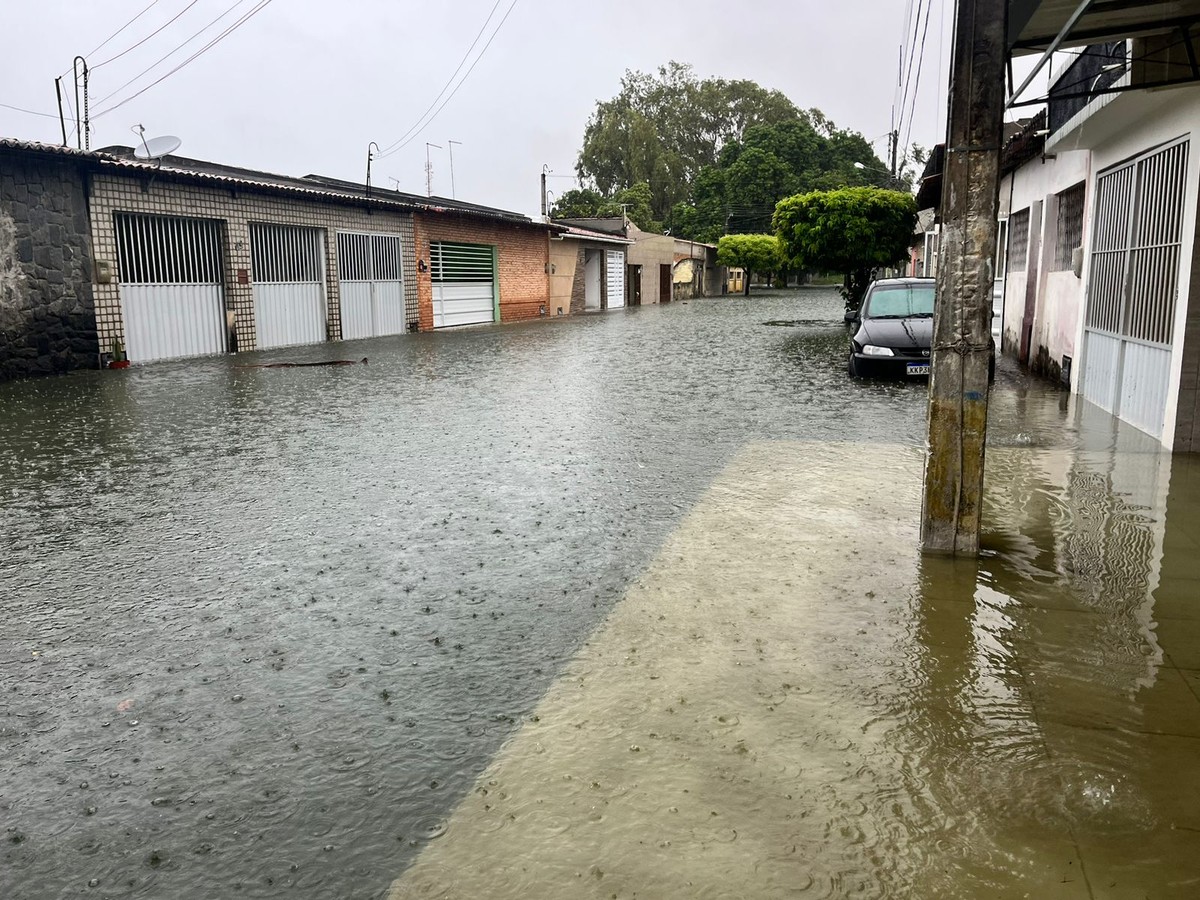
(285, 254)
(168, 250)
(1070, 226)
(1018, 240)
(369, 257)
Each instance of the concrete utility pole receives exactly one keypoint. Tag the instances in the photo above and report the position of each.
(895, 142)
(958, 384)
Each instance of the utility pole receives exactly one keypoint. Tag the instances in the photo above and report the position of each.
(450, 144)
(429, 169)
(83, 120)
(895, 142)
(545, 205)
(369, 157)
(958, 383)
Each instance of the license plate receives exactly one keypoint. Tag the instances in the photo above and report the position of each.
(918, 368)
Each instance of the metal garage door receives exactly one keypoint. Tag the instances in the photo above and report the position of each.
(172, 301)
(1132, 292)
(371, 285)
(289, 285)
(463, 283)
(616, 279)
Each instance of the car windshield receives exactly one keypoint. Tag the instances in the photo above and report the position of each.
(900, 301)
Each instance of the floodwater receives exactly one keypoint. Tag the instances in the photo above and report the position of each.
(305, 632)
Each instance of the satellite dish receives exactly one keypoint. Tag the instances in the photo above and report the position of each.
(158, 147)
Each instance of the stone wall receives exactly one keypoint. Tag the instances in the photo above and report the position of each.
(47, 314)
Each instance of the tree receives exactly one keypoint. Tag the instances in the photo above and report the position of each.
(634, 202)
(852, 231)
(663, 129)
(752, 252)
(770, 162)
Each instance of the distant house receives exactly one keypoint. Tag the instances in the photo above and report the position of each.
(651, 261)
(697, 273)
(587, 270)
(107, 253)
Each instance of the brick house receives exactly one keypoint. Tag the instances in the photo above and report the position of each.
(179, 257)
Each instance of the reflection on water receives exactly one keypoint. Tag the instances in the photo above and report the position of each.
(628, 604)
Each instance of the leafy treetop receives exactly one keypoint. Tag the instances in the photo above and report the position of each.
(852, 231)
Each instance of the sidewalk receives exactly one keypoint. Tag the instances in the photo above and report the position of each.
(791, 701)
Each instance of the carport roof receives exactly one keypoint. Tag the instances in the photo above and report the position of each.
(1034, 24)
(587, 234)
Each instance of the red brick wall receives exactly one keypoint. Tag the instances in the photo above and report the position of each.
(523, 260)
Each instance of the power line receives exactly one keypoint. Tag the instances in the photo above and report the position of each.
(920, 66)
(462, 62)
(405, 142)
(912, 46)
(232, 28)
(171, 52)
(105, 42)
(147, 37)
(31, 112)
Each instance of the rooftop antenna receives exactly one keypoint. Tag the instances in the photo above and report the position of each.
(453, 195)
(429, 169)
(154, 148)
(396, 182)
(83, 135)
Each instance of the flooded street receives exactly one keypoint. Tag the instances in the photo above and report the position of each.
(621, 606)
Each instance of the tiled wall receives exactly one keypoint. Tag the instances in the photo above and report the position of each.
(236, 209)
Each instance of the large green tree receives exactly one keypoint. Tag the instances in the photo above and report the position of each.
(663, 128)
(851, 231)
(768, 163)
(753, 252)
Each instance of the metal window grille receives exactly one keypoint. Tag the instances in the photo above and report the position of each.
(1069, 236)
(460, 262)
(354, 256)
(385, 257)
(1136, 247)
(168, 250)
(1018, 240)
(285, 254)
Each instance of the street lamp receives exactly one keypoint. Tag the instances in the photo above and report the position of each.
(892, 181)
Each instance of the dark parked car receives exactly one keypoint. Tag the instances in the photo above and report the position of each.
(893, 330)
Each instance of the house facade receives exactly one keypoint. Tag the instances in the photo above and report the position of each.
(104, 255)
(1102, 227)
(587, 270)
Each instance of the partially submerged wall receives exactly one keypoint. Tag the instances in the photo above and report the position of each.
(47, 315)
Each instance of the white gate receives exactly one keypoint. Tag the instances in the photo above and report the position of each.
(289, 285)
(463, 277)
(616, 279)
(1132, 290)
(371, 284)
(172, 301)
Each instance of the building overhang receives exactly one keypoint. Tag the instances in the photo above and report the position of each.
(1034, 25)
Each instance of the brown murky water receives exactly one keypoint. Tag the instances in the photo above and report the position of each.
(626, 606)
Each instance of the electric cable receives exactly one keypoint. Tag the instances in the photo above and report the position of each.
(31, 112)
(463, 81)
(920, 67)
(173, 51)
(911, 57)
(462, 62)
(146, 38)
(105, 42)
(224, 34)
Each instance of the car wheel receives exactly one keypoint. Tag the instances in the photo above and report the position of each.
(853, 368)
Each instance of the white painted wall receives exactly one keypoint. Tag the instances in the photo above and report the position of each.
(1059, 294)
(1131, 125)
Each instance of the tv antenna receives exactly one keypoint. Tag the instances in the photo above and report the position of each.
(429, 169)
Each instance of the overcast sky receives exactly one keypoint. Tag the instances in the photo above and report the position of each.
(305, 85)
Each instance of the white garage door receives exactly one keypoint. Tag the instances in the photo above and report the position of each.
(616, 279)
(371, 285)
(463, 278)
(1129, 330)
(172, 301)
(289, 285)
